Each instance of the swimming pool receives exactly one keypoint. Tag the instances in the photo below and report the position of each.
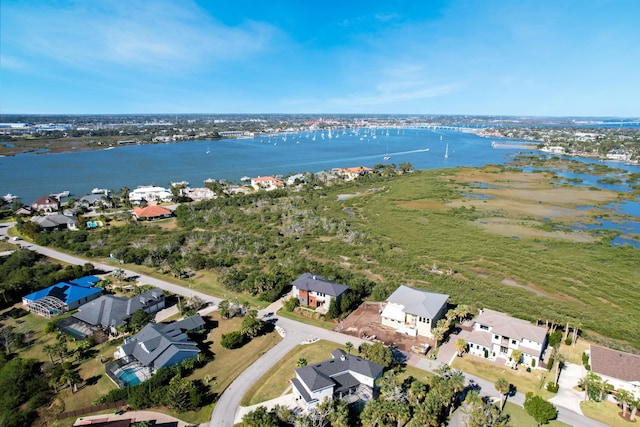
(129, 377)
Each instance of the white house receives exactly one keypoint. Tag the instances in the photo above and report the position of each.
(344, 377)
(622, 370)
(150, 193)
(413, 311)
(496, 335)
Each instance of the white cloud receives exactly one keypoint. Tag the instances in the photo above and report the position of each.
(400, 82)
(134, 34)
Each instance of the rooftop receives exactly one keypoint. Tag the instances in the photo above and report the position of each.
(418, 302)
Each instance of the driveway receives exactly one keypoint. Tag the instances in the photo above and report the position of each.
(567, 397)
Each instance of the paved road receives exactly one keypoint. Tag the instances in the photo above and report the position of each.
(147, 280)
(296, 332)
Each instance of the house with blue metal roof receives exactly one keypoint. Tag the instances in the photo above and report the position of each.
(61, 297)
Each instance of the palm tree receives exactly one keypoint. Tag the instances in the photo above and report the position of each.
(502, 386)
(560, 364)
(50, 350)
(623, 397)
(60, 349)
(301, 362)
(72, 378)
(461, 346)
(348, 345)
(516, 355)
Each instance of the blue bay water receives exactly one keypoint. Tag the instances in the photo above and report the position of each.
(30, 176)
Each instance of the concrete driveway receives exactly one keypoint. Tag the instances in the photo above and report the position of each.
(567, 397)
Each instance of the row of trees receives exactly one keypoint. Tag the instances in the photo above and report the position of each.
(25, 271)
(597, 389)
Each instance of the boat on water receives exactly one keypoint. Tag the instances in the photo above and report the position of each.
(208, 150)
(99, 191)
(9, 197)
(446, 152)
(387, 157)
(60, 195)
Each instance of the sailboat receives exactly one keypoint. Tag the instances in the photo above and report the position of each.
(208, 150)
(387, 157)
(446, 152)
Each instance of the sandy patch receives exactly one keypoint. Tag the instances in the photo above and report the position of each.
(524, 229)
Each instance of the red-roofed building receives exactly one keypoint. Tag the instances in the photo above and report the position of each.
(352, 173)
(46, 203)
(151, 213)
(266, 183)
(622, 370)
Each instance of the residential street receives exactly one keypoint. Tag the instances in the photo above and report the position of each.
(296, 332)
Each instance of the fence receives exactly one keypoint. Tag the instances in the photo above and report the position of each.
(91, 409)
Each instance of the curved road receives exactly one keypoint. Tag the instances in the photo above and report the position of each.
(225, 409)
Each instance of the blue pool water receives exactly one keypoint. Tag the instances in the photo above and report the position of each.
(129, 377)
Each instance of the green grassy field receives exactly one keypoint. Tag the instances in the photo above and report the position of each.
(418, 221)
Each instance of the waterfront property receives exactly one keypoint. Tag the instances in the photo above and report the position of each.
(156, 346)
(62, 297)
(413, 311)
(496, 335)
(620, 369)
(151, 213)
(315, 291)
(109, 312)
(149, 194)
(266, 183)
(344, 376)
(46, 204)
(349, 174)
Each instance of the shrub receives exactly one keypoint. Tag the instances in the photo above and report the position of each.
(553, 387)
(533, 363)
(585, 359)
(568, 341)
(291, 304)
(234, 339)
(555, 338)
(486, 353)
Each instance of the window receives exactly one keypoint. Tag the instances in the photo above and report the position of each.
(484, 327)
(496, 337)
(514, 342)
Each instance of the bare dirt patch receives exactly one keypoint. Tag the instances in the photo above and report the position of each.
(365, 322)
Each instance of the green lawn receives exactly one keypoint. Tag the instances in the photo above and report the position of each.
(605, 412)
(522, 380)
(520, 418)
(220, 372)
(276, 380)
(295, 316)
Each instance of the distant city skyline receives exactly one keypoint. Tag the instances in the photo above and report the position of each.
(525, 58)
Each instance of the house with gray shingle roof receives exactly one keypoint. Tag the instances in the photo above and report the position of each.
(159, 345)
(499, 334)
(110, 311)
(413, 311)
(621, 369)
(344, 376)
(313, 290)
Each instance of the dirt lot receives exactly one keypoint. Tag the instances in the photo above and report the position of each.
(365, 322)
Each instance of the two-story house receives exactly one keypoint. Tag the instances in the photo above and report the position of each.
(413, 311)
(344, 376)
(46, 204)
(314, 291)
(496, 335)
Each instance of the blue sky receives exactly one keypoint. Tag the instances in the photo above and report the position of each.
(541, 58)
